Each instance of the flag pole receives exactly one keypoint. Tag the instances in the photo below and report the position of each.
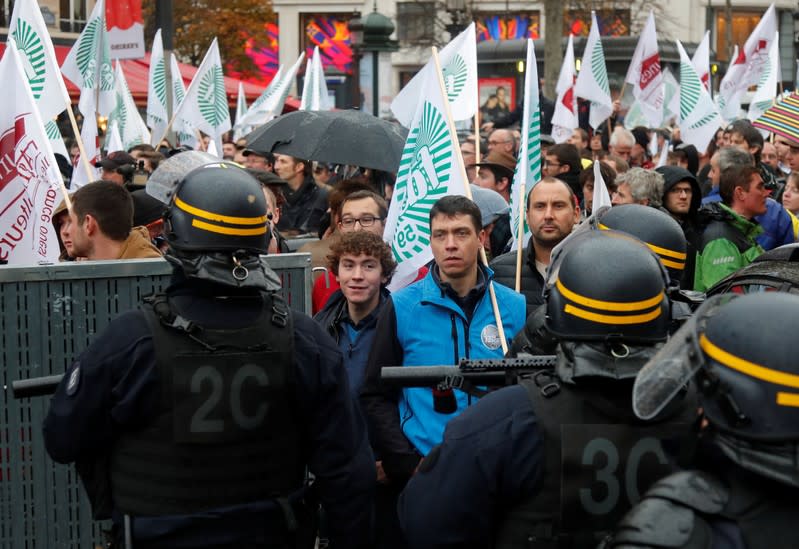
(520, 233)
(460, 166)
(477, 138)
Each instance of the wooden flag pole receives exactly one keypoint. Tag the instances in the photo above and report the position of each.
(460, 166)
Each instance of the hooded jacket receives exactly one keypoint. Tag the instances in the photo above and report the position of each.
(727, 244)
(671, 176)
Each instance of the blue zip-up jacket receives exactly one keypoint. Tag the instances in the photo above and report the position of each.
(425, 326)
(776, 222)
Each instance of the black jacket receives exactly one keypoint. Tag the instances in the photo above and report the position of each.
(304, 208)
(532, 285)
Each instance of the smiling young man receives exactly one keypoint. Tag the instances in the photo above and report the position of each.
(440, 319)
(728, 242)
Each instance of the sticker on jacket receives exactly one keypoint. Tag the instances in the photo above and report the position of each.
(490, 337)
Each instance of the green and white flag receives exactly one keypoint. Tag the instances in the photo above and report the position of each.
(186, 133)
(240, 129)
(157, 88)
(132, 129)
(88, 65)
(767, 87)
(592, 82)
(205, 106)
(528, 167)
(56, 139)
(459, 69)
(699, 117)
(270, 103)
(427, 171)
(113, 142)
(36, 50)
(315, 96)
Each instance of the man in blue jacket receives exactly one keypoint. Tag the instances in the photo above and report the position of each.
(438, 320)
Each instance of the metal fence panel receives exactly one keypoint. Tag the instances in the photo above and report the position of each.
(48, 315)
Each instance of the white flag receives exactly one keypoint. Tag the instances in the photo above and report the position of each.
(671, 95)
(205, 105)
(664, 154)
(528, 167)
(88, 134)
(38, 58)
(186, 133)
(56, 140)
(157, 88)
(131, 127)
(645, 76)
(113, 142)
(699, 117)
(601, 195)
(592, 82)
(564, 118)
(747, 65)
(767, 87)
(701, 60)
(29, 189)
(240, 129)
(315, 96)
(459, 68)
(270, 103)
(427, 172)
(88, 65)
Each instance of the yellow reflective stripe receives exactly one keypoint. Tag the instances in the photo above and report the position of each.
(611, 319)
(672, 264)
(210, 227)
(745, 367)
(787, 399)
(609, 305)
(602, 227)
(665, 251)
(211, 216)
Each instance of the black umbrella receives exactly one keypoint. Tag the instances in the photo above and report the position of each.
(336, 137)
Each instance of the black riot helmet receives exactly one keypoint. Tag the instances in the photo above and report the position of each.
(218, 207)
(607, 286)
(747, 374)
(656, 229)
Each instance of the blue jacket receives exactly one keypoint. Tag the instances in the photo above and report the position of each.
(425, 326)
(776, 222)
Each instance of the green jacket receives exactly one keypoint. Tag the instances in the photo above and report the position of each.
(727, 244)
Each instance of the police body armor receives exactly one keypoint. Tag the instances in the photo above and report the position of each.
(697, 510)
(599, 460)
(225, 431)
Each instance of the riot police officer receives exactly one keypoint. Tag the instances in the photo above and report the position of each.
(745, 493)
(204, 408)
(555, 460)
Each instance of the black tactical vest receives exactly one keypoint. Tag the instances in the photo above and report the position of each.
(225, 432)
(599, 460)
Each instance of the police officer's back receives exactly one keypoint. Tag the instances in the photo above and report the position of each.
(555, 460)
(204, 408)
(744, 494)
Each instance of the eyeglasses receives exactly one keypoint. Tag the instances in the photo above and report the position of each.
(548, 164)
(365, 221)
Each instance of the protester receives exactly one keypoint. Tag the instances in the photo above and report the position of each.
(228, 471)
(639, 186)
(790, 201)
(728, 242)
(258, 160)
(587, 182)
(100, 225)
(496, 172)
(681, 199)
(621, 143)
(552, 212)
(563, 161)
(502, 141)
(306, 203)
(495, 213)
(117, 167)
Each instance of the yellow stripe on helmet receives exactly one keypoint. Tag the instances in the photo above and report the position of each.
(609, 305)
(746, 367)
(211, 216)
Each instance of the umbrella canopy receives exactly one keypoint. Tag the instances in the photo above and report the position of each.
(782, 118)
(336, 137)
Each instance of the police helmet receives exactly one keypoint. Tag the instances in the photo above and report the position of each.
(607, 286)
(656, 229)
(218, 207)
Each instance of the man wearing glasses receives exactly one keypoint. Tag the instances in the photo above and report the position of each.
(502, 141)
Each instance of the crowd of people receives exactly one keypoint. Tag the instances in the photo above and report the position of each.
(556, 460)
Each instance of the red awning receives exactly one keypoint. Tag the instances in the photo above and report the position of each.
(137, 74)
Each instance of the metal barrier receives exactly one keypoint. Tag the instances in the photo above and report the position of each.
(48, 315)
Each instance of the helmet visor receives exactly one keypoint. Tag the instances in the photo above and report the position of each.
(170, 172)
(675, 364)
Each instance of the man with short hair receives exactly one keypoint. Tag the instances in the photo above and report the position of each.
(469, 154)
(639, 186)
(100, 225)
(552, 212)
(621, 142)
(501, 141)
(563, 161)
(496, 172)
(728, 242)
(438, 320)
(306, 202)
(579, 138)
